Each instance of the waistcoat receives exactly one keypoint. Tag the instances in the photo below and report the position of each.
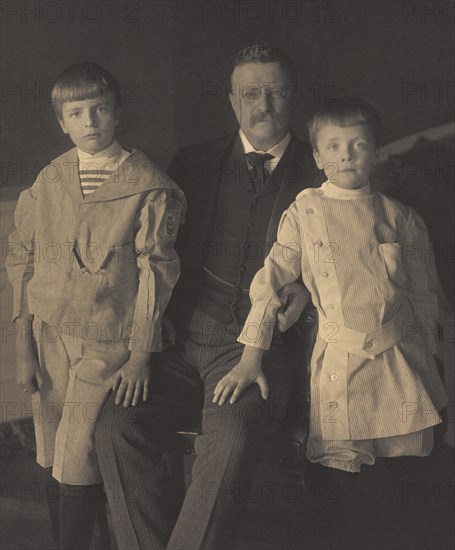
(237, 245)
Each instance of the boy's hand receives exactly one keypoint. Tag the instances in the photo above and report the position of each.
(294, 298)
(241, 376)
(26, 366)
(132, 381)
(27, 362)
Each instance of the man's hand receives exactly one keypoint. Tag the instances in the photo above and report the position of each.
(241, 376)
(294, 298)
(132, 381)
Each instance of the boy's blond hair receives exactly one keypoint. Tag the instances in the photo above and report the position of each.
(345, 111)
(86, 80)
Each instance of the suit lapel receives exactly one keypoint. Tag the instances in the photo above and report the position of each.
(213, 170)
(235, 170)
(296, 170)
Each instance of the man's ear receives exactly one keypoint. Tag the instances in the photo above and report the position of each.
(376, 155)
(317, 160)
(232, 100)
(117, 117)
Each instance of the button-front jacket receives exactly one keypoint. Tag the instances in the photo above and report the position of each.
(366, 260)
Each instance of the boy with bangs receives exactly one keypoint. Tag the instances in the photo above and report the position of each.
(89, 311)
(375, 389)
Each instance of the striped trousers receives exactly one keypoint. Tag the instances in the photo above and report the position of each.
(130, 442)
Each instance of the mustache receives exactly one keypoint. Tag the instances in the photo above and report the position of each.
(263, 116)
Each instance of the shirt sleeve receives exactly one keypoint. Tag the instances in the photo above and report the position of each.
(158, 263)
(282, 266)
(422, 278)
(20, 253)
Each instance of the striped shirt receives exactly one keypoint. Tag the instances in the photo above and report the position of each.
(95, 169)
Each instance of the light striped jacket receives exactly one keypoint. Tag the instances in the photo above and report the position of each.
(367, 261)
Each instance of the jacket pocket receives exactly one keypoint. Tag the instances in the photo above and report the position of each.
(392, 256)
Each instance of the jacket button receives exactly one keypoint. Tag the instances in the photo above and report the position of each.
(309, 211)
(369, 345)
(330, 307)
(242, 269)
(250, 225)
(334, 377)
(324, 274)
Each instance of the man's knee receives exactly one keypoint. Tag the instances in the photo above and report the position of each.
(145, 426)
(116, 424)
(237, 424)
(108, 427)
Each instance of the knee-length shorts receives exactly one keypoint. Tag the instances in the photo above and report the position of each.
(74, 378)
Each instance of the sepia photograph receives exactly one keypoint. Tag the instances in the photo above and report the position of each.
(227, 275)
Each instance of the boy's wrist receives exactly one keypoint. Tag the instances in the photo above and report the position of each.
(24, 333)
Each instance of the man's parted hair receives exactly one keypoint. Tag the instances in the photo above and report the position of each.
(345, 111)
(81, 81)
(266, 54)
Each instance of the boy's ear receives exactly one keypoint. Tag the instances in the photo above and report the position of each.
(317, 160)
(63, 126)
(117, 117)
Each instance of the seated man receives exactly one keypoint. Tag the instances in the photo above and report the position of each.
(237, 188)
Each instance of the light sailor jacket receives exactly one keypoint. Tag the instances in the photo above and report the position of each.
(366, 259)
(101, 267)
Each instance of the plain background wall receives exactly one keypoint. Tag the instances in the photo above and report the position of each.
(173, 58)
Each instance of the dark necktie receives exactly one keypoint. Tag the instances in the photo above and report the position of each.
(258, 173)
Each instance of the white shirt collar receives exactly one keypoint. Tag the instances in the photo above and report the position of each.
(113, 150)
(335, 192)
(277, 150)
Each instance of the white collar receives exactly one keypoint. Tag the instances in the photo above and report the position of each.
(113, 150)
(277, 150)
(335, 192)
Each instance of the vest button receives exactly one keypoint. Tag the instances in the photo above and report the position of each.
(246, 246)
(309, 211)
(324, 274)
(334, 378)
(242, 269)
(330, 307)
(250, 225)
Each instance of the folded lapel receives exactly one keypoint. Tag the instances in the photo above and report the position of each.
(215, 159)
(137, 174)
(297, 171)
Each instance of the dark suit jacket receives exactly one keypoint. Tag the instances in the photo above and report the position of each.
(197, 170)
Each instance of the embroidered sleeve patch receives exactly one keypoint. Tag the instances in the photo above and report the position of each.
(170, 225)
